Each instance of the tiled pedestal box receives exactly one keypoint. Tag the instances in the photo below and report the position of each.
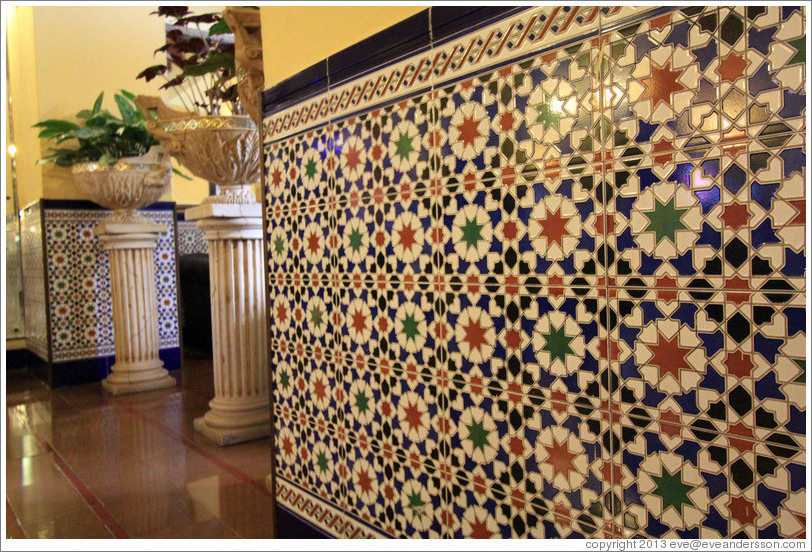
(541, 273)
(66, 288)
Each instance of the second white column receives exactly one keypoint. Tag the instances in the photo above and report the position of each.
(240, 408)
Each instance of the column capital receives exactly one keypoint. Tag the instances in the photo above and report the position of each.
(117, 235)
(224, 211)
(228, 221)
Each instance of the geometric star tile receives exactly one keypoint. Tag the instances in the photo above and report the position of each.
(559, 295)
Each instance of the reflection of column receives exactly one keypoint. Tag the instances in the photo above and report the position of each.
(135, 307)
(239, 411)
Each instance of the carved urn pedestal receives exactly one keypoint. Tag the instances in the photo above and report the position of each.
(130, 240)
(225, 150)
(240, 408)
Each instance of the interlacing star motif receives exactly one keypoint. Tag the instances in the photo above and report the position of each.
(665, 220)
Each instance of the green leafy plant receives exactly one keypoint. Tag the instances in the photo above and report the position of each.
(99, 135)
(199, 64)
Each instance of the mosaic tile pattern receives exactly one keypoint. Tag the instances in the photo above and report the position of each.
(190, 238)
(78, 284)
(561, 297)
(35, 312)
(15, 323)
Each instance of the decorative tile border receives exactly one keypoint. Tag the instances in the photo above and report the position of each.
(549, 290)
(525, 33)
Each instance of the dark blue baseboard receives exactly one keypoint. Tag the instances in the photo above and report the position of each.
(290, 526)
(17, 359)
(23, 359)
(76, 372)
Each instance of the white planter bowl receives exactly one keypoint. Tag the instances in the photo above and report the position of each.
(129, 184)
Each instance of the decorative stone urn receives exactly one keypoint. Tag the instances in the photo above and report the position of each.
(130, 239)
(220, 149)
(129, 184)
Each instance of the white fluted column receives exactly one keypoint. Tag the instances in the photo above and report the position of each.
(131, 248)
(239, 411)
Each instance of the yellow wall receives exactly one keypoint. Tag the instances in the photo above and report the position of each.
(296, 37)
(61, 58)
(23, 88)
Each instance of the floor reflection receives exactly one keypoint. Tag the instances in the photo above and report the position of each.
(84, 464)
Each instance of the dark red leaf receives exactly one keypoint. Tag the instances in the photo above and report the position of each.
(151, 72)
(192, 45)
(202, 18)
(171, 11)
(174, 82)
(174, 35)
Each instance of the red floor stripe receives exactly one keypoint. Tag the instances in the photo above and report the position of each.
(192, 445)
(13, 529)
(95, 504)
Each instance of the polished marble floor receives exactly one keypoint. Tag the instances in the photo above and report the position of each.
(83, 464)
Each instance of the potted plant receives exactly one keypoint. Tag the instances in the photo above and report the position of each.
(114, 160)
(213, 138)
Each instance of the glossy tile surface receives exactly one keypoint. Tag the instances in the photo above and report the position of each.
(547, 279)
(83, 464)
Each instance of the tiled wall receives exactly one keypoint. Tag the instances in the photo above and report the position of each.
(14, 280)
(546, 278)
(78, 282)
(36, 324)
(190, 237)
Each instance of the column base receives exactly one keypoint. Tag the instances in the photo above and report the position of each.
(225, 436)
(126, 388)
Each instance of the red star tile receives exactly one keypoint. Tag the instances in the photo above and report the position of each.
(661, 84)
(742, 510)
(469, 130)
(660, 22)
(517, 446)
(506, 121)
(353, 158)
(282, 313)
(513, 339)
(313, 242)
(509, 230)
(731, 67)
(735, 216)
(320, 388)
(359, 321)
(555, 284)
(514, 392)
(413, 416)
(739, 364)
(475, 334)
(407, 239)
(560, 458)
(665, 149)
(670, 423)
(663, 283)
(741, 430)
(669, 356)
(737, 283)
(554, 227)
(365, 482)
(479, 528)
